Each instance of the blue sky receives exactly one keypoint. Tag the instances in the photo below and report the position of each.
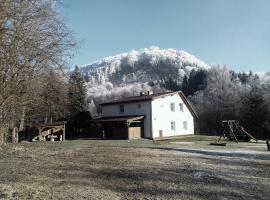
(231, 32)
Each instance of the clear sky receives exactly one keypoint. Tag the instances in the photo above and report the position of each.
(231, 32)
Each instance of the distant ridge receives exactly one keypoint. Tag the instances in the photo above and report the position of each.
(138, 70)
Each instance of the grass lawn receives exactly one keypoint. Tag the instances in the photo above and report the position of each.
(183, 168)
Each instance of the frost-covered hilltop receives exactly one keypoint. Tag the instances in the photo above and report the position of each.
(135, 71)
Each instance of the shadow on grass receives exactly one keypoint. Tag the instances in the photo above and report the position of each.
(259, 156)
(164, 183)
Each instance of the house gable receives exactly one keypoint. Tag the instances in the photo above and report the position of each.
(171, 116)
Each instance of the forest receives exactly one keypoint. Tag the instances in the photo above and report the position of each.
(37, 84)
(35, 49)
(222, 94)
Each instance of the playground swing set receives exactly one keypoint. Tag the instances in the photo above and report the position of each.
(232, 131)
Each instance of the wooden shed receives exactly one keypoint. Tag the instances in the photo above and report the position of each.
(51, 131)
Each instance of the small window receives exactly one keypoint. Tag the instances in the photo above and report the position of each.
(139, 106)
(173, 126)
(172, 107)
(185, 125)
(121, 108)
(181, 107)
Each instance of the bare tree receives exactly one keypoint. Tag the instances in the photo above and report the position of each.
(33, 41)
(220, 99)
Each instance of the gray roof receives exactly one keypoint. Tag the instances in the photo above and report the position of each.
(119, 118)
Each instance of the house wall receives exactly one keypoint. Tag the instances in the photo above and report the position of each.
(131, 109)
(162, 116)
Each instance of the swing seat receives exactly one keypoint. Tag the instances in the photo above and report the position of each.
(218, 143)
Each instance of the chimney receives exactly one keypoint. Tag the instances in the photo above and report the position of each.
(149, 92)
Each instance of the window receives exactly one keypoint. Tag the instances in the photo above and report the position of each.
(139, 106)
(121, 108)
(181, 107)
(172, 107)
(185, 125)
(173, 126)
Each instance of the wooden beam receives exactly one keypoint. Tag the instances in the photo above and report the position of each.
(41, 128)
(55, 126)
(64, 133)
(39, 134)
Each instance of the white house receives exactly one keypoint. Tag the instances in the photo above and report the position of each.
(149, 115)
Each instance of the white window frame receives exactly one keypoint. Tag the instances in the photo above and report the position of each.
(172, 106)
(185, 125)
(173, 126)
(181, 107)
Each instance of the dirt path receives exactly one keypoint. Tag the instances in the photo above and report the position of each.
(102, 171)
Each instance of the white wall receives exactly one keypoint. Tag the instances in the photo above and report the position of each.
(131, 109)
(162, 116)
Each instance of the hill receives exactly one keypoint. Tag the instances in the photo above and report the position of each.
(145, 69)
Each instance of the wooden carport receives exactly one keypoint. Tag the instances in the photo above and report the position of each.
(51, 131)
(123, 127)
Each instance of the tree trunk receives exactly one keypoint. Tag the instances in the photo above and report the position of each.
(46, 119)
(1, 136)
(15, 138)
(22, 120)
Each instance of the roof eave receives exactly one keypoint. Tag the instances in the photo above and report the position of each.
(188, 104)
(127, 101)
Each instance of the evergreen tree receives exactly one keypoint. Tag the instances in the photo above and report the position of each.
(195, 82)
(254, 113)
(171, 84)
(185, 86)
(77, 93)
